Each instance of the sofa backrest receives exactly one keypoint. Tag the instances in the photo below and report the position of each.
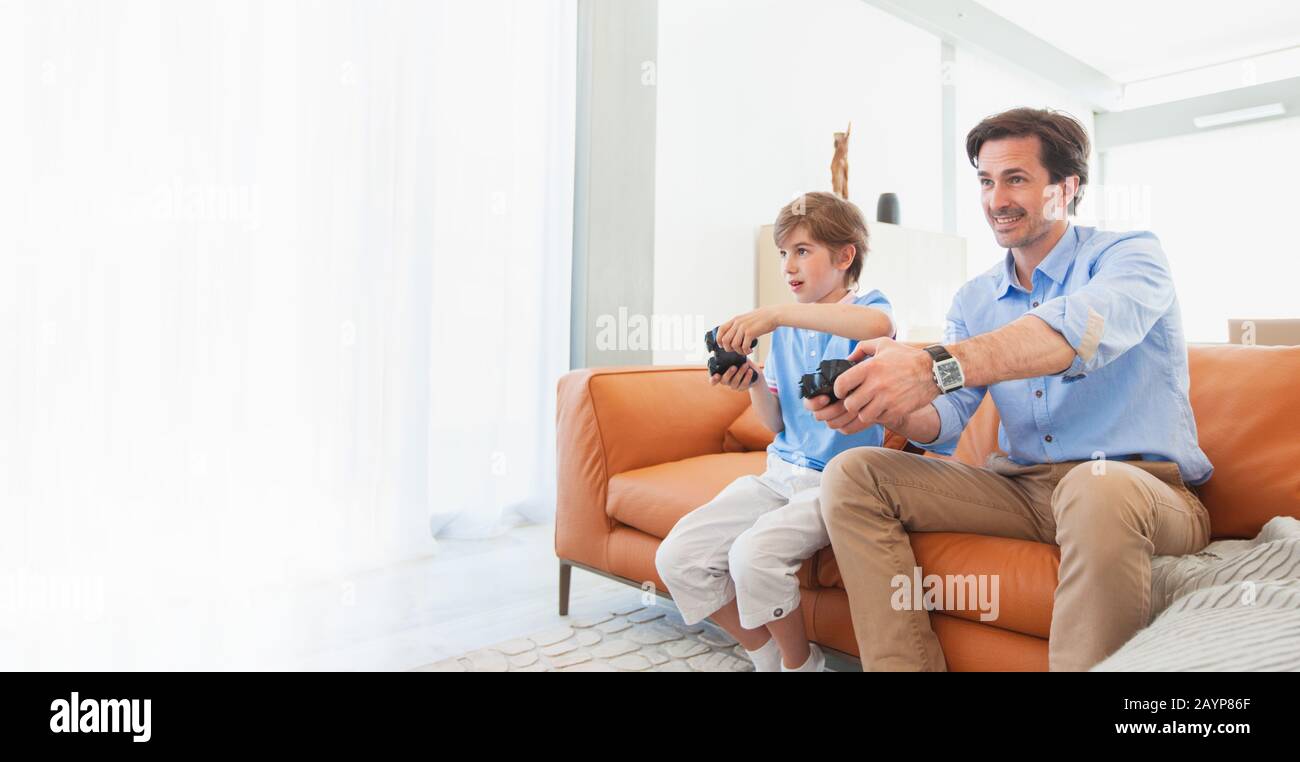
(1247, 404)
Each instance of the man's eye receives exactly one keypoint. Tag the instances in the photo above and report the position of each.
(986, 182)
(1016, 179)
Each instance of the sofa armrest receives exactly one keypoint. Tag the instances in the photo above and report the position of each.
(611, 420)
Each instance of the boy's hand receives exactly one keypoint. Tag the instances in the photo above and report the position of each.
(834, 414)
(738, 333)
(739, 378)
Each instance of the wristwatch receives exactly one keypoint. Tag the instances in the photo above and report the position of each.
(947, 371)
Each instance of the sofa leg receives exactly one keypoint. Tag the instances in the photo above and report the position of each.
(565, 574)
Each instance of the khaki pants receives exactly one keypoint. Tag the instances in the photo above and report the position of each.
(1108, 517)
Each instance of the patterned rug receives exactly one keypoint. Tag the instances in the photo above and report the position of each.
(633, 638)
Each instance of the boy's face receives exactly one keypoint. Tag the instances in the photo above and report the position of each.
(812, 271)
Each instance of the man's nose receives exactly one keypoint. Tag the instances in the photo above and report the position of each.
(1000, 197)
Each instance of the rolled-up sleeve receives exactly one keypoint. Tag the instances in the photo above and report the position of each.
(1130, 289)
(954, 408)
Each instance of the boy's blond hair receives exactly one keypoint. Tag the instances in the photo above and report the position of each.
(831, 221)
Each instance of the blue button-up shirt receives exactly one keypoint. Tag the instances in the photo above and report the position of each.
(1125, 395)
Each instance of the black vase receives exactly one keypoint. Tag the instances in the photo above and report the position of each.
(887, 209)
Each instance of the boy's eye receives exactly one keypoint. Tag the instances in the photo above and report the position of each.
(802, 252)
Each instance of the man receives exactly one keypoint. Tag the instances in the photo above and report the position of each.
(1077, 335)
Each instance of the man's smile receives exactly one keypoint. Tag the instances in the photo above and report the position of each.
(1006, 222)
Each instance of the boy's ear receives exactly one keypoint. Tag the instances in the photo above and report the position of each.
(846, 256)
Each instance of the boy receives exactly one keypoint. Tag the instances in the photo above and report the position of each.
(734, 559)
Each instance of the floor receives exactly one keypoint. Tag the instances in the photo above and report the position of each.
(471, 594)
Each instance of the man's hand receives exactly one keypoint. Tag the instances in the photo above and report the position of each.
(738, 333)
(739, 378)
(890, 381)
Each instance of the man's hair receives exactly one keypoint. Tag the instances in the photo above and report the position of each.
(1064, 143)
(831, 221)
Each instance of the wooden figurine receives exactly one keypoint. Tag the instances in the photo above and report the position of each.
(840, 164)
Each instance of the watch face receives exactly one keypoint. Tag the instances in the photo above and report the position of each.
(949, 373)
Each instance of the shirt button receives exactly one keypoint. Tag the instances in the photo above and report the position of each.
(778, 612)
(812, 354)
(1035, 304)
(1038, 393)
(1048, 438)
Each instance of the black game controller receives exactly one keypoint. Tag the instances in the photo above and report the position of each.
(722, 359)
(822, 380)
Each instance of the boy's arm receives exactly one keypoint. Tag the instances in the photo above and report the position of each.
(767, 405)
(852, 321)
(762, 392)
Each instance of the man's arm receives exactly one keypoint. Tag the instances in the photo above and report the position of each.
(1070, 335)
(1083, 330)
(934, 426)
(898, 380)
(1024, 348)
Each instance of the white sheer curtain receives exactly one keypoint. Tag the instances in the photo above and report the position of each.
(284, 287)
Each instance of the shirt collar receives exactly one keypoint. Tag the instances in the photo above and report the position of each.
(1054, 265)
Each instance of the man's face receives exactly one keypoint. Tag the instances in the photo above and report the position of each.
(1020, 201)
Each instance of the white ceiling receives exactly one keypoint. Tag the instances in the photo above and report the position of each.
(1130, 40)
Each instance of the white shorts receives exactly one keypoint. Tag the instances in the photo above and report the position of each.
(747, 543)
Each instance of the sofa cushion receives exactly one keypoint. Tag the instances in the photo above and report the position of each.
(652, 499)
(655, 498)
(1026, 574)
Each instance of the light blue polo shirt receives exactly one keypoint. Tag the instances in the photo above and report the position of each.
(806, 441)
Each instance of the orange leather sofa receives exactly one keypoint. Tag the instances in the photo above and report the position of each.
(640, 447)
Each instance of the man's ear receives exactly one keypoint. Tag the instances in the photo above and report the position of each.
(1071, 191)
(1059, 195)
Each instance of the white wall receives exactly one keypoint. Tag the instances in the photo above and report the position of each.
(1221, 204)
(986, 86)
(749, 93)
